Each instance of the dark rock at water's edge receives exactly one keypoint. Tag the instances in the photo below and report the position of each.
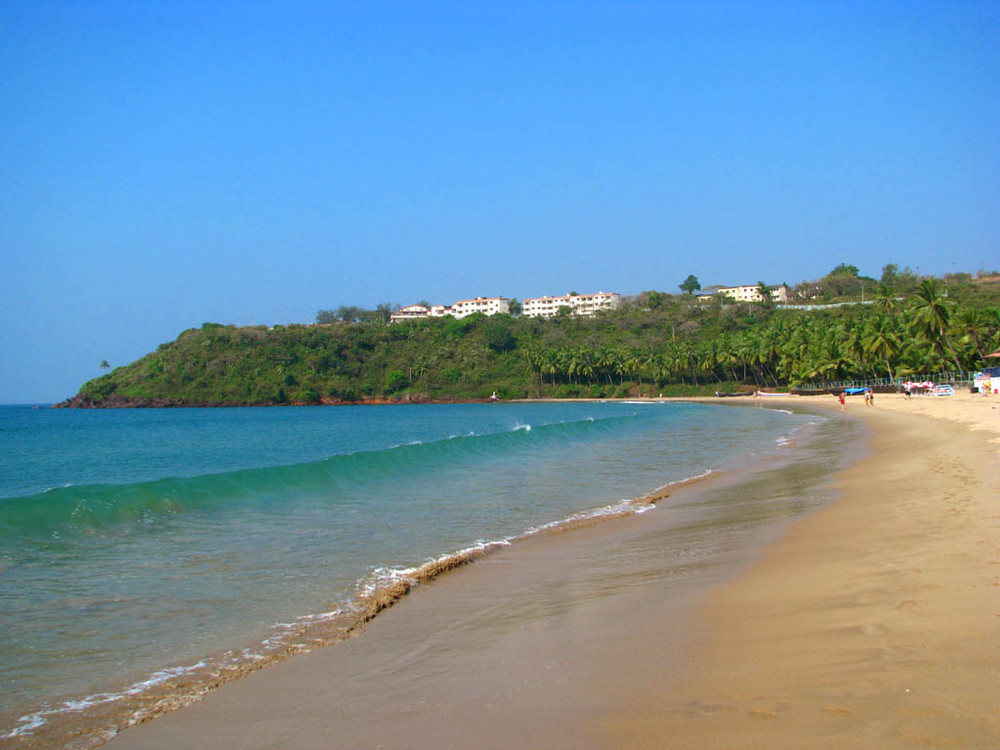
(120, 402)
(117, 402)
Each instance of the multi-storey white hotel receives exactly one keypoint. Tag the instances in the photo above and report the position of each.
(746, 293)
(539, 307)
(460, 309)
(484, 305)
(578, 304)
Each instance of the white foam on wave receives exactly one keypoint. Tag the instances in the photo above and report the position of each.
(586, 515)
(27, 724)
(289, 633)
(58, 487)
(383, 576)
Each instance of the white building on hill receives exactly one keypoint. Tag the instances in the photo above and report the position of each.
(484, 305)
(747, 293)
(410, 312)
(578, 304)
(540, 307)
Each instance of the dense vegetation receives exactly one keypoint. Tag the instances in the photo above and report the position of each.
(656, 343)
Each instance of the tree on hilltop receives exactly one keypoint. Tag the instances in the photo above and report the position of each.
(844, 281)
(844, 269)
(690, 284)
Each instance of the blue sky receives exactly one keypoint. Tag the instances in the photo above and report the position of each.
(168, 164)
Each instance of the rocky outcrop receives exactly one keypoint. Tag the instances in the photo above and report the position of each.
(120, 402)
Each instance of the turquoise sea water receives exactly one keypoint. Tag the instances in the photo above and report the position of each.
(136, 545)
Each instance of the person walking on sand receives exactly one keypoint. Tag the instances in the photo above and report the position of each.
(843, 399)
(869, 397)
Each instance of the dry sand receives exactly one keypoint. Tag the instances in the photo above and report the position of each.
(874, 623)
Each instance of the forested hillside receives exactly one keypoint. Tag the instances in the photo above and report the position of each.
(656, 343)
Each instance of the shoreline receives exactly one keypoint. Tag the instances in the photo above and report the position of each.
(184, 686)
(147, 694)
(871, 623)
(172, 688)
(809, 645)
(530, 618)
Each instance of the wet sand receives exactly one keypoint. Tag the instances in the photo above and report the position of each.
(871, 623)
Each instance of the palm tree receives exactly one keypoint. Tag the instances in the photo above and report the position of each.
(419, 367)
(585, 363)
(885, 300)
(974, 328)
(932, 316)
(633, 364)
(604, 362)
(882, 340)
(649, 364)
(848, 339)
(673, 361)
(551, 365)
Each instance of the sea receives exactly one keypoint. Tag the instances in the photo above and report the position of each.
(148, 554)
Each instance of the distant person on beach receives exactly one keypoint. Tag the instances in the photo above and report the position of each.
(843, 399)
(869, 397)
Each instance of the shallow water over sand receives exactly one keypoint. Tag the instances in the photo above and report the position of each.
(172, 572)
(526, 646)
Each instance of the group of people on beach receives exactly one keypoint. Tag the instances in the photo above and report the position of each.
(869, 398)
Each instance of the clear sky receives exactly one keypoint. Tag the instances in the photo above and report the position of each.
(164, 164)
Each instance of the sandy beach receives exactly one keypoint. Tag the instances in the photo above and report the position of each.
(873, 622)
